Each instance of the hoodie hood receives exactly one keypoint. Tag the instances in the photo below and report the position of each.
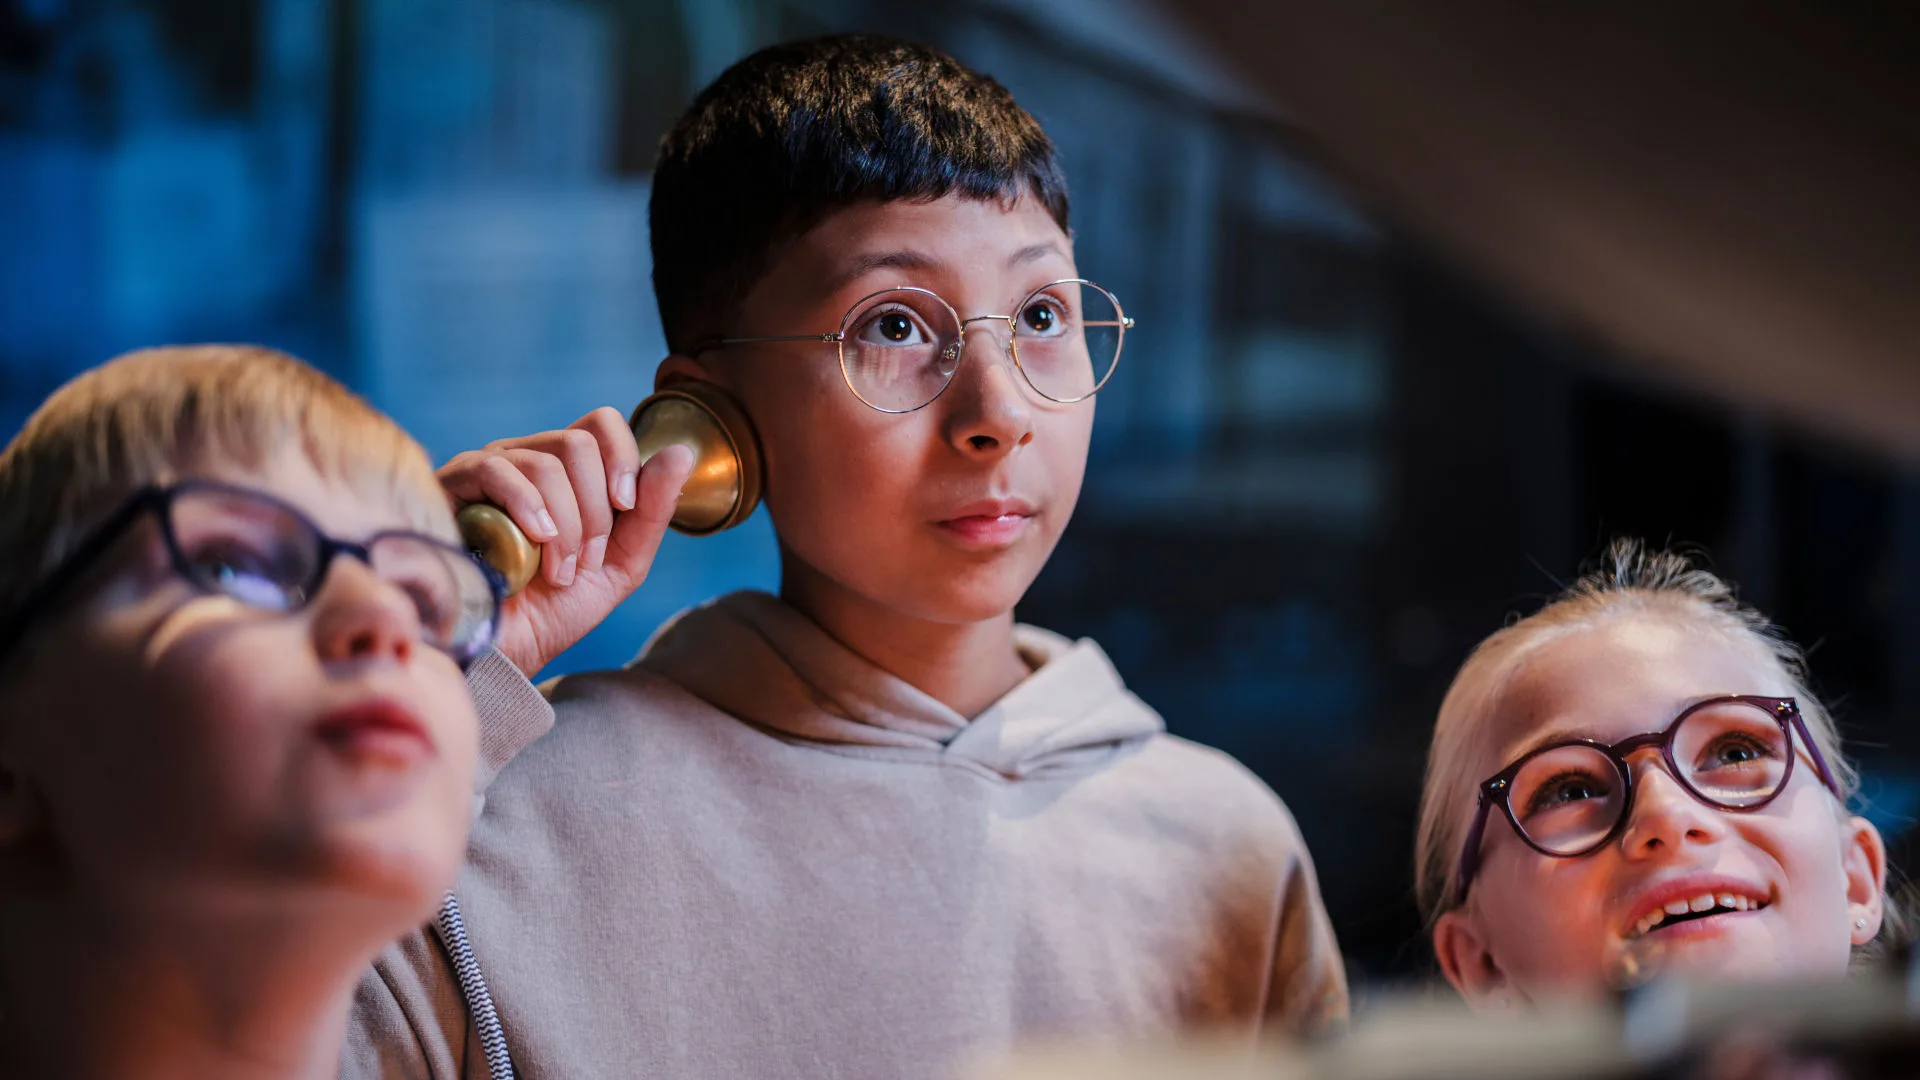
(756, 657)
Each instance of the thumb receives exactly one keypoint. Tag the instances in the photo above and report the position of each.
(636, 535)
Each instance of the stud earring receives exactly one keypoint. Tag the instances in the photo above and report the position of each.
(1859, 924)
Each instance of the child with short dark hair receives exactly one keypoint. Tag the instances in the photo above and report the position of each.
(236, 753)
(870, 827)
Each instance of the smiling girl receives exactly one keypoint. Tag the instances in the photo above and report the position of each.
(1637, 777)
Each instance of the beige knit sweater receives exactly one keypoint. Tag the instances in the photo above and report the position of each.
(753, 854)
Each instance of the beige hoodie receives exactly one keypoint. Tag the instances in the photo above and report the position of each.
(753, 854)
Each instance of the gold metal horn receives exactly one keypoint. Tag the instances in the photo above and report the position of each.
(492, 535)
(725, 484)
(721, 492)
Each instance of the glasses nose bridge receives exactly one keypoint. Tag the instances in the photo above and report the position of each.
(967, 324)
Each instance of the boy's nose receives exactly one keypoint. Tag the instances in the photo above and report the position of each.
(359, 617)
(1665, 815)
(988, 411)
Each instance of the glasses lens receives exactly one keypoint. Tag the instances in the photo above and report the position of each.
(1567, 799)
(1732, 753)
(449, 590)
(249, 548)
(1069, 335)
(899, 349)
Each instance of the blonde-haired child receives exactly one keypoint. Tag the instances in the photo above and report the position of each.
(1638, 778)
(236, 749)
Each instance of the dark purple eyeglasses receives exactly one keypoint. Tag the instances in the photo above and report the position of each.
(1570, 799)
(266, 554)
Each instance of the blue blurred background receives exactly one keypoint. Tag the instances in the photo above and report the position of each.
(1328, 465)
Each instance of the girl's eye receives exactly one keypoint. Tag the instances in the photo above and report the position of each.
(893, 328)
(1732, 750)
(1565, 790)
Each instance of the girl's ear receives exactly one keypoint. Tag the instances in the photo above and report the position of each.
(1863, 857)
(1468, 962)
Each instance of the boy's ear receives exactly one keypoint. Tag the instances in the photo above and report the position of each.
(1465, 959)
(676, 367)
(1863, 857)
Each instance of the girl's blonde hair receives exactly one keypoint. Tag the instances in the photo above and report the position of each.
(150, 416)
(1629, 578)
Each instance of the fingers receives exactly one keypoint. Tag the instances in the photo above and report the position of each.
(482, 476)
(637, 534)
(579, 455)
(618, 452)
(559, 556)
(552, 485)
(534, 490)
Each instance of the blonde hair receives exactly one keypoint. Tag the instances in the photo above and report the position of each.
(1628, 579)
(152, 416)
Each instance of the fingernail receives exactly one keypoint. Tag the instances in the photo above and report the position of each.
(594, 553)
(567, 568)
(624, 491)
(547, 527)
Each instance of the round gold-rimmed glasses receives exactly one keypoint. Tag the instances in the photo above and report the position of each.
(900, 347)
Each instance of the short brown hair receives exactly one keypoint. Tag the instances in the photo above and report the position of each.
(149, 417)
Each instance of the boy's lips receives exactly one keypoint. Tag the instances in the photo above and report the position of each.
(377, 730)
(990, 522)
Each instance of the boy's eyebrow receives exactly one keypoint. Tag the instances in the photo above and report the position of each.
(1035, 252)
(902, 259)
(908, 259)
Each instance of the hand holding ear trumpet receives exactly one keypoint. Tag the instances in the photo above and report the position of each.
(593, 503)
(572, 519)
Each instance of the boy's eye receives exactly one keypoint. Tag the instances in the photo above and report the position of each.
(242, 572)
(896, 327)
(893, 328)
(1040, 317)
(431, 607)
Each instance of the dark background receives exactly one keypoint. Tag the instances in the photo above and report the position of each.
(1329, 465)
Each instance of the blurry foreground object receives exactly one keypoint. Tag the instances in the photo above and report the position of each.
(1867, 1028)
(1731, 192)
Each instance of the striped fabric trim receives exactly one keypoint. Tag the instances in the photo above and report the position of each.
(473, 987)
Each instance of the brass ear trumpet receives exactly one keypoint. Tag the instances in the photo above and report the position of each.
(721, 492)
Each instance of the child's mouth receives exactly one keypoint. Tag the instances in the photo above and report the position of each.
(994, 530)
(377, 731)
(1704, 906)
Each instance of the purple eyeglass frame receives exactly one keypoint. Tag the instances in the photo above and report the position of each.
(1498, 788)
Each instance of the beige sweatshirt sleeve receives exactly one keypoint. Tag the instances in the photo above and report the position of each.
(1308, 994)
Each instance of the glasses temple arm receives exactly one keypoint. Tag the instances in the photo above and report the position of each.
(828, 338)
(1470, 851)
(1813, 748)
(76, 563)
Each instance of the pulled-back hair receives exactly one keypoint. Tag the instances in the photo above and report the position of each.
(1628, 578)
(794, 132)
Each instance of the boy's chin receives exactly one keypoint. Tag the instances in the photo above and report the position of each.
(965, 600)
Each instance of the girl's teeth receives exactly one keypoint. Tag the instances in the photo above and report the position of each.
(1729, 901)
(1703, 902)
(1677, 907)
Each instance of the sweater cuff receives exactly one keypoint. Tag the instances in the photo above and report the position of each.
(512, 713)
